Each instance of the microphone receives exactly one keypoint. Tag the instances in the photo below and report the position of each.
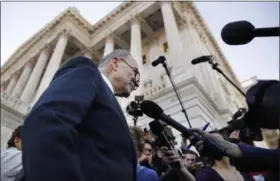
(153, 110)
(201, 59)
(242, 32)
(159, 60)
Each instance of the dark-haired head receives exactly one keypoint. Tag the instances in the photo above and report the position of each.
(15, 140)
(191, 157)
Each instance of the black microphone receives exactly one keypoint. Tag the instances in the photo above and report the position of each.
(153, 110)
(242, 32)
(159, 60)
(201, 59)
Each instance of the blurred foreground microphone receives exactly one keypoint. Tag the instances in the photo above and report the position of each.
(160, 59)
(242, 32)
(202, 59)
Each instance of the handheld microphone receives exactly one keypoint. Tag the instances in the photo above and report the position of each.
(242, 32)
(153, 110)
(201, 59)
(159, 60)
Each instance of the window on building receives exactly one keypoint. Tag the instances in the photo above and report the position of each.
(144, 59)
(165, 47)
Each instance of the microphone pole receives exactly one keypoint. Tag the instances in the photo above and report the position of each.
(209, 59)
(215, 67)
(175, 89)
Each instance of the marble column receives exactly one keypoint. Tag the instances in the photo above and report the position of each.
(35, 76)
(22, 80)
(12, 84)
(53, 64)
(174, 41)
(136, 49)
(109, 45)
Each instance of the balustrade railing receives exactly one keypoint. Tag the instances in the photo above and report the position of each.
(14, 103)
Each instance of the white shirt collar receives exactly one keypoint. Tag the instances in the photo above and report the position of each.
(106, 80)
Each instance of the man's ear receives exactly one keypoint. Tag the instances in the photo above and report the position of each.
(114, 64)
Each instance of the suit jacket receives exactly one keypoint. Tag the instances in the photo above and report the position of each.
(77, 131)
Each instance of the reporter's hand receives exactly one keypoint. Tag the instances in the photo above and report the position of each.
(143, 157)
(235, 134)
(170, 158)
(229, 148)
(176, 164)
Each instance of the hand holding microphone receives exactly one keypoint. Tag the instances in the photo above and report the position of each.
(230, 149)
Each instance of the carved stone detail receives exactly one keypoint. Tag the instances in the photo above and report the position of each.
(136, 19)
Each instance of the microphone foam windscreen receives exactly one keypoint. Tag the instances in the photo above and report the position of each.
(237, 33)
(151, 109)
(156, 127)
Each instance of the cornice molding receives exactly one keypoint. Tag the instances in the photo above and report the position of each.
(22, 49)
(111, 15)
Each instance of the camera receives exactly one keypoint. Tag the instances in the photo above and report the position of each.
(134, 108)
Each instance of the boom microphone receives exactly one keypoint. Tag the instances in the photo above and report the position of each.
(242, 32)
(201, 59)
(159, 60)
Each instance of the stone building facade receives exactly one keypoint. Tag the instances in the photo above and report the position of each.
(149, 30)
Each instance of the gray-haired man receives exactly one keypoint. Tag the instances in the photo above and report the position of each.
(77, 131)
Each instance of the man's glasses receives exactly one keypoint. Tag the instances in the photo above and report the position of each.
(136, 73)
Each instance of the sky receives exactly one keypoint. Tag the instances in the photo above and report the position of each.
(20, 20)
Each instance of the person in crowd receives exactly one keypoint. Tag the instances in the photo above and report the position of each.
(11, 158)
(143, 173)
(146, 157)
(191, 161)
(77, 131)
(148, 136)
(159, 164)
(177, 171)
(221, 170)
(190, 157)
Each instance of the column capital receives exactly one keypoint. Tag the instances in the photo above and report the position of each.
(136, 19)
(16, 74)
(161, 3)
(88, 51)
(110, 38)
(65, 32)
(30, 62)
(45, 48)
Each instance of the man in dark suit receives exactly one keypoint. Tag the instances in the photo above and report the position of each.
(77, 131)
